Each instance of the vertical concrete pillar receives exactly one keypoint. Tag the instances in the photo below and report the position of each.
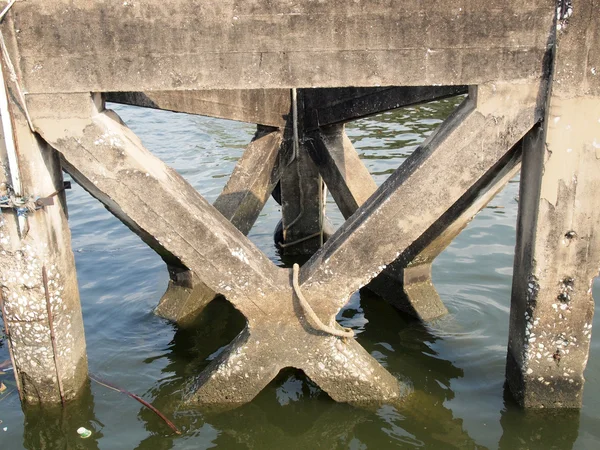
(302, 202)
(558, 251)
(40, 307)
(302, 195)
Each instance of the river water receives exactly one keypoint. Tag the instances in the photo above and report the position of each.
(456, 364)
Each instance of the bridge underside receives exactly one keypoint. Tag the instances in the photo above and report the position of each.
(300, 71)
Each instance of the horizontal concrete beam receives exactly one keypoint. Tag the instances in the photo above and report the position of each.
(325, 107)
(82, 46)
(268, 107)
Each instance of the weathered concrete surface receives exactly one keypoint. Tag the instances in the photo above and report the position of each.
(269, 107)
(326, 107)
(240, 44)
(467, 145)
(110, 161)
(406, 283)
(351, 185)
(558, 253)
(302, 205)
(253, 179)
(412, 269)
(42, 370)
(185, 297)
(244, 196)
(346, 177)
(342, 368)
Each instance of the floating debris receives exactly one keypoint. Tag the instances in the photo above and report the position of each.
(84, 432)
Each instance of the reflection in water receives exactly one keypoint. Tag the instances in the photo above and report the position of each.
(292, 412)
(537, 429)
(56, 427)
(189, 353)
(403, 346)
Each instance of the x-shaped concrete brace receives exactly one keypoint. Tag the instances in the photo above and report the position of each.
(109, 161)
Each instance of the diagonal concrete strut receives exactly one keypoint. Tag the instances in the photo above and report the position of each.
(243, 197)
(441, 173)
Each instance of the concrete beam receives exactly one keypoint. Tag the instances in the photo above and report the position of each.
(253, 179)
(412, 269)
(342, 368)
(39, 298)
(185, 298)
(269, 107)
(451, 161)
(326, 107)
(157, 45)
(558, 253)
(406, 283)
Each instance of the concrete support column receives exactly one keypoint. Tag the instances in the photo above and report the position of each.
(40, 308)
(302, 196)
(558, 251)
(302, 204)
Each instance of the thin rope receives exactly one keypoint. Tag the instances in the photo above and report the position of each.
(298, 241)
(103, 384)
(344, 333)
(295, 159)
(137, 398)
(301, 213)
(295, 143)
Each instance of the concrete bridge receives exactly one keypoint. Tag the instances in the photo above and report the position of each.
(301, 70)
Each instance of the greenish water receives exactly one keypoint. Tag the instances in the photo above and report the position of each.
(455, 364)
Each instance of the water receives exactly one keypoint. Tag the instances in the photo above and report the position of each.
(455, 364)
